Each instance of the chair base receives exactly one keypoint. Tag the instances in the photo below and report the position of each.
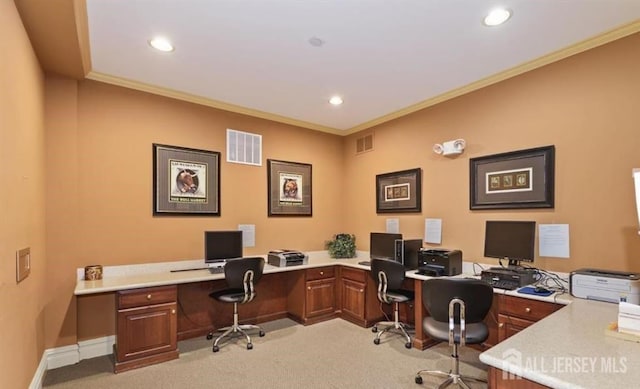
(388, 326)
(235, 328)
(453, 377)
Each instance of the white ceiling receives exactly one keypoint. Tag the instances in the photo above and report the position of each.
(384, 57)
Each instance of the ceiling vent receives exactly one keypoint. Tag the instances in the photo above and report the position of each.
(364, 143)
(243, 147)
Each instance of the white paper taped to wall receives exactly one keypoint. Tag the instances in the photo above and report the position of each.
(636, 178)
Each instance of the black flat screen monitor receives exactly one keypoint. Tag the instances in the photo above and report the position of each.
(382, 245)
(510, 240)
(221, 245)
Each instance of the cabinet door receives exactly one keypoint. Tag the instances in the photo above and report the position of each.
(320, 297)
(510, 325)
(353, 298)
(146, 331)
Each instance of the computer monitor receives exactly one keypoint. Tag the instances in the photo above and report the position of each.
(220, 246)
(510, 240)
(382, 245)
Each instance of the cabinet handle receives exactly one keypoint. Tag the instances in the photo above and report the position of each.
(500, 325)
(173, 311)
(148, 297)
(308, 288)
(361, 290)
(321, 273)
(527, 310)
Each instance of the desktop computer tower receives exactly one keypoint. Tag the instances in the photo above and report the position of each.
(406, 252)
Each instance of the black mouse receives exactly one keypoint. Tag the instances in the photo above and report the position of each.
(541, 289)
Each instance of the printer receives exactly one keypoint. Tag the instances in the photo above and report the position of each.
(439, 262)
(282, 258)
(605, 285)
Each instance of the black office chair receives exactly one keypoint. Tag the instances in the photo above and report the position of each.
(389, 276)
(457, 307)
(241, 275)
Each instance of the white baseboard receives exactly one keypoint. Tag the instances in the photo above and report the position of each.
(96, 347)
(69, 355)
(38, 377)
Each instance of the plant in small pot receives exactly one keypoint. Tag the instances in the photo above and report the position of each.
(342, 246)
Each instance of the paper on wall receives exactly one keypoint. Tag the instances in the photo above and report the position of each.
(433, 230)
(554, 240)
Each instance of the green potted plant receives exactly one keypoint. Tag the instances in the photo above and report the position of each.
(342, 246)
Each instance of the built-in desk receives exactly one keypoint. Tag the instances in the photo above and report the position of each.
(566, 349)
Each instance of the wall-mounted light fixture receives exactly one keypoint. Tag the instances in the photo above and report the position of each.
(450, 148)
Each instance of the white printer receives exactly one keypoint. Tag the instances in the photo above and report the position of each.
(605, 285)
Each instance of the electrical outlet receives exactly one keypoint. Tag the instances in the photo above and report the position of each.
(23, 264)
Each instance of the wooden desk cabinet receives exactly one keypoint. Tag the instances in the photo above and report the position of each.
(146, 327)
(312, 295)
(320, 294)
(358, 293)
(516, 314)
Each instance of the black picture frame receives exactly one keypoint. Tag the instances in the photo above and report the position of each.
(516, 179)
(289, 188)
(185, 181)
(399, 192)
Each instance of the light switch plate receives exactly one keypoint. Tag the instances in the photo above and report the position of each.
(23, 264)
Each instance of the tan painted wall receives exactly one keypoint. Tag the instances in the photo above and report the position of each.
(587, 106)
(98, 179)
(100, 173)
(22, 203)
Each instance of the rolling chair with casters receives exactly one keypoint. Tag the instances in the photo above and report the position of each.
(241, 275)
(389, 276)
(457, 307)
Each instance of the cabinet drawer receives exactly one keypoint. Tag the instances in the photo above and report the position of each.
(147, 296)
(526, 308)
(320, 272)
(353, 274)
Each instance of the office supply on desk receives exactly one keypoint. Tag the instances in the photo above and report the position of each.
(382, 245)
(389, 276)
(509, 279)
(283, 258)
(216, 270)
(438, 263)
(536, 291)
(364, 263)
(406, 252)
(220, 246)
(605, 285)
(190, 269)
(241, 275)
(457, 308)
(511, 240)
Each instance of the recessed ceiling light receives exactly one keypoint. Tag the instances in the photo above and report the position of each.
(497, 17)
(161, 44)
(316, 42)
(335, 100)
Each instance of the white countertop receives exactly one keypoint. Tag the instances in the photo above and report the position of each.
(569, 349)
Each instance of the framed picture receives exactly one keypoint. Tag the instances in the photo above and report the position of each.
(517, 179)
(399, 191)
(289, 189)
(185, 181)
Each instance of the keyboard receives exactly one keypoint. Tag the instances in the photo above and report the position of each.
(506, 285)
(216, 270)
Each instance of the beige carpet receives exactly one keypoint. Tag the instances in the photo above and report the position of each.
(331, 354)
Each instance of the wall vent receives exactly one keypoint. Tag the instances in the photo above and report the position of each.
(243, 147)
(364, 143)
